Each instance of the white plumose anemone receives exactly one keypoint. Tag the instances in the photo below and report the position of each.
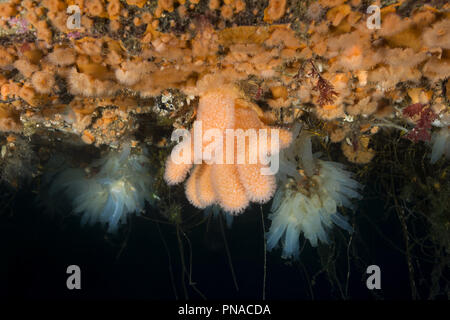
(440, 141)
(308, 203)
(121, 187)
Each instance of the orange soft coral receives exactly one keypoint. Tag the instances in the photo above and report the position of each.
(62, 57)
(234, 185)
(9, 120)
(275, 10)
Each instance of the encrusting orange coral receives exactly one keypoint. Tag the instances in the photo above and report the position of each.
(137, 53)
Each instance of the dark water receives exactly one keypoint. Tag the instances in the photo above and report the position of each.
(36, 248)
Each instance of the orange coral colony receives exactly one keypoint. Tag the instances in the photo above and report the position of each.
(232, 185)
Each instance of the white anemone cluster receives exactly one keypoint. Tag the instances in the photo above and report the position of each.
(120, 188)
(308, 203)
(440, 139)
